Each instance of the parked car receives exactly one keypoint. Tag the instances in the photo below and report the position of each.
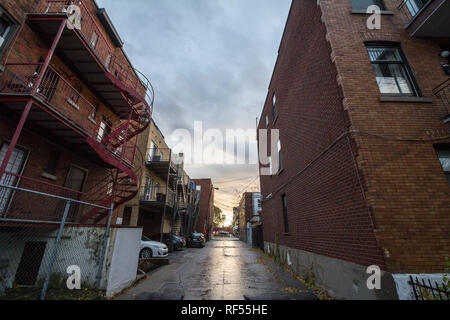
(177, 243)
(152, 249)
(181, 240)
(196, 240)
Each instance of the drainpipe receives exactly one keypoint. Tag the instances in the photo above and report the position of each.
(29, 104)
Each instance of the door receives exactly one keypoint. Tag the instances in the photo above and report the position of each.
(15, 167)
(75, 181)
(30, 263)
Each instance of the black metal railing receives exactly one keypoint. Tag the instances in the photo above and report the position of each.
(429, 291)
(411, 8)
(442, 92)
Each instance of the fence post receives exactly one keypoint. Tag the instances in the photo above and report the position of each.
(55, 249)
(105, 244)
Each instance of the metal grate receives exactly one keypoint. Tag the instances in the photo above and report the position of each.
(428, 291)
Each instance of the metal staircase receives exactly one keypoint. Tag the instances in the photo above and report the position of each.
(124, 181)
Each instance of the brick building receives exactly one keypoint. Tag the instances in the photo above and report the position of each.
(72, 108)
(363, 176)
(249, 215)
(205, 221)
(160, 206)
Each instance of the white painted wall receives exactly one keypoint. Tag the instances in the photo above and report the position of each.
(125, 259)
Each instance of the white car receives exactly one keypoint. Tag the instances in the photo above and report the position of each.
(152, 249)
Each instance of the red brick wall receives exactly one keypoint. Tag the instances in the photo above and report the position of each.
(405, 186)
(379, 195)
(39, 152)
(28, 47)
(245, 213)
(206, 205)
(326, 208)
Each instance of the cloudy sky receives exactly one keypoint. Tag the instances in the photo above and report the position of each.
(209, 61)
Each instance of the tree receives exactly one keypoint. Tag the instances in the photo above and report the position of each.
(219, 218)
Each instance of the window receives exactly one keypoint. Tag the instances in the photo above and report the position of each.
(443, 152)
(52, 162)
(157, 189)
(94, 40)
(15, 166)
(392, 71)
(8, 28)
(280, 158)
(153, 152)
(274, 107)
(93, 115)
(108, 61)
(75, 95)
(148, 190)
(270, 166)
(414, 6)
(364, 4)
(285, 214)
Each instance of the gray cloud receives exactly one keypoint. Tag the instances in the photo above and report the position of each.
(208, 60)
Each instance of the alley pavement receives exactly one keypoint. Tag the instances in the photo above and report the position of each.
(226, 269)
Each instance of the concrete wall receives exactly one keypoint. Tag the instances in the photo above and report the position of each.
(124, 260)
(404, 289)
(341, 279)
(79, 246)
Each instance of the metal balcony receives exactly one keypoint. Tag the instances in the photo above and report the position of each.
(87, 51)
(154, 201)
(163, 163)
(426, 18)
(60, 112)
(442, 92)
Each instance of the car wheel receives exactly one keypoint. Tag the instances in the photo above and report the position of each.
(146, 253)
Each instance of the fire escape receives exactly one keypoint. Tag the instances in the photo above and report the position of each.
(40, 95)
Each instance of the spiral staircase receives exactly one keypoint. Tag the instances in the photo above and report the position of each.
(124, 181)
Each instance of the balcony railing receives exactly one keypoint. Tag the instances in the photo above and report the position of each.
(59, 94)
(150, 194)
(443, 93)
(410, 8)
(94, 36)
(28, 199)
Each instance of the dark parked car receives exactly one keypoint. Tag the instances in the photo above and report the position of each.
(196, 240)
(177, 242)
(181, 240)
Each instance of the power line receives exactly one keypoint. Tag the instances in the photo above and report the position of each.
(233, 180)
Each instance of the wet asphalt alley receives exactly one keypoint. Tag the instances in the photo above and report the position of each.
(226, 269)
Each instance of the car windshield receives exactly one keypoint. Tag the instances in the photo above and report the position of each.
(144, 238)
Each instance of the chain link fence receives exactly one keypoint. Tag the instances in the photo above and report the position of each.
(43, 246)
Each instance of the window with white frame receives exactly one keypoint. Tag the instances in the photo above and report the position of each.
(274, 107)
(280, 157)
(148, 190)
